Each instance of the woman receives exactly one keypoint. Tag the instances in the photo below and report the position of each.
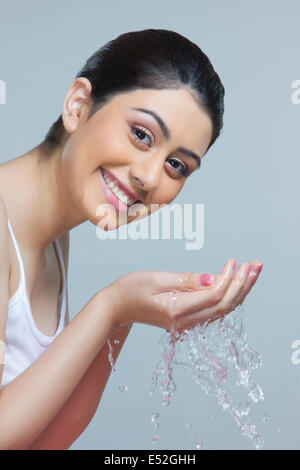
(138, 118)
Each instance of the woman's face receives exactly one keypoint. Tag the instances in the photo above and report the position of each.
(132, 148)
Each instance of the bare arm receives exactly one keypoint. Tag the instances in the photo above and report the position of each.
(31, 401)
(81, 406)
(79, 409)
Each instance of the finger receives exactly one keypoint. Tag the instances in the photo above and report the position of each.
(188, 302)
(255, 269)
(183, 281)
(223, 306)
(228, 303)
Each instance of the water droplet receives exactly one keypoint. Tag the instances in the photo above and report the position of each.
(188, 424)
(123, 388)
(199, 445)
(154, 420)
(116, 341)
(266, 417)
(155, 439)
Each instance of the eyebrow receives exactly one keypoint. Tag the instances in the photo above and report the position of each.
(167, 134)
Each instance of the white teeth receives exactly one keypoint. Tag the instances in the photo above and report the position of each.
(117, 192)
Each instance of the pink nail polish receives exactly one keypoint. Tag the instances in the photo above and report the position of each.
(234, 264)
(205, 279)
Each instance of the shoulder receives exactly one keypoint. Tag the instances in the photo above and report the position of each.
(4, 231)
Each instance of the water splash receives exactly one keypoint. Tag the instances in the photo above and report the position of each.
(155, 424)
(154, 420)
(110, 356)
(206, 352)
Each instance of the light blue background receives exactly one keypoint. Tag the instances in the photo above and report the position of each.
(248, 184)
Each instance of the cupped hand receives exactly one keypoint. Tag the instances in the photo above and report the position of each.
(240, 286)
(177, 300)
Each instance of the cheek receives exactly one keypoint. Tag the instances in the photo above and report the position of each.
(71, 160)
(108, 146)
(113, 151)
(167, 190)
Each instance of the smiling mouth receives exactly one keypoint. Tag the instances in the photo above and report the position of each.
(118, 191)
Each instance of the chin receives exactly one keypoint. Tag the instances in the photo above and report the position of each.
(114, 220)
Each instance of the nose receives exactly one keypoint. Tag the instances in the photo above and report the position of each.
(146, 177)
(139, 181)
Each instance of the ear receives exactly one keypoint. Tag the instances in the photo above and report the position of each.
(74, 107)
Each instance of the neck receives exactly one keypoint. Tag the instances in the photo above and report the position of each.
(38, 203)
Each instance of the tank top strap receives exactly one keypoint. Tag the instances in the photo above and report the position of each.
(63, 292)
(22, 274)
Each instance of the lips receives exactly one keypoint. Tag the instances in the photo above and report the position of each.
(123, 187)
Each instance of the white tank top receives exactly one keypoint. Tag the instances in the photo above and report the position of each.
(24, 343)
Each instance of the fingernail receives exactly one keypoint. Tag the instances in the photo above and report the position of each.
(205, 279)
(234, 264)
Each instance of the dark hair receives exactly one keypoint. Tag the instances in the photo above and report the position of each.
(151, 58)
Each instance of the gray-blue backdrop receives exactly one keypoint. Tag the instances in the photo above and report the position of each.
(248, 184)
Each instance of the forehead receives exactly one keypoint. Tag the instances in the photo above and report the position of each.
(188, 122)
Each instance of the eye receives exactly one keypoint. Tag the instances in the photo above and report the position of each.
(140, 133)
(184, 170)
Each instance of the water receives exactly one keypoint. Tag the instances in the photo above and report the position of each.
(154, 420)
(207, 352)
(110, 356)
(266, 417)
(122, 388)
(188, 424)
